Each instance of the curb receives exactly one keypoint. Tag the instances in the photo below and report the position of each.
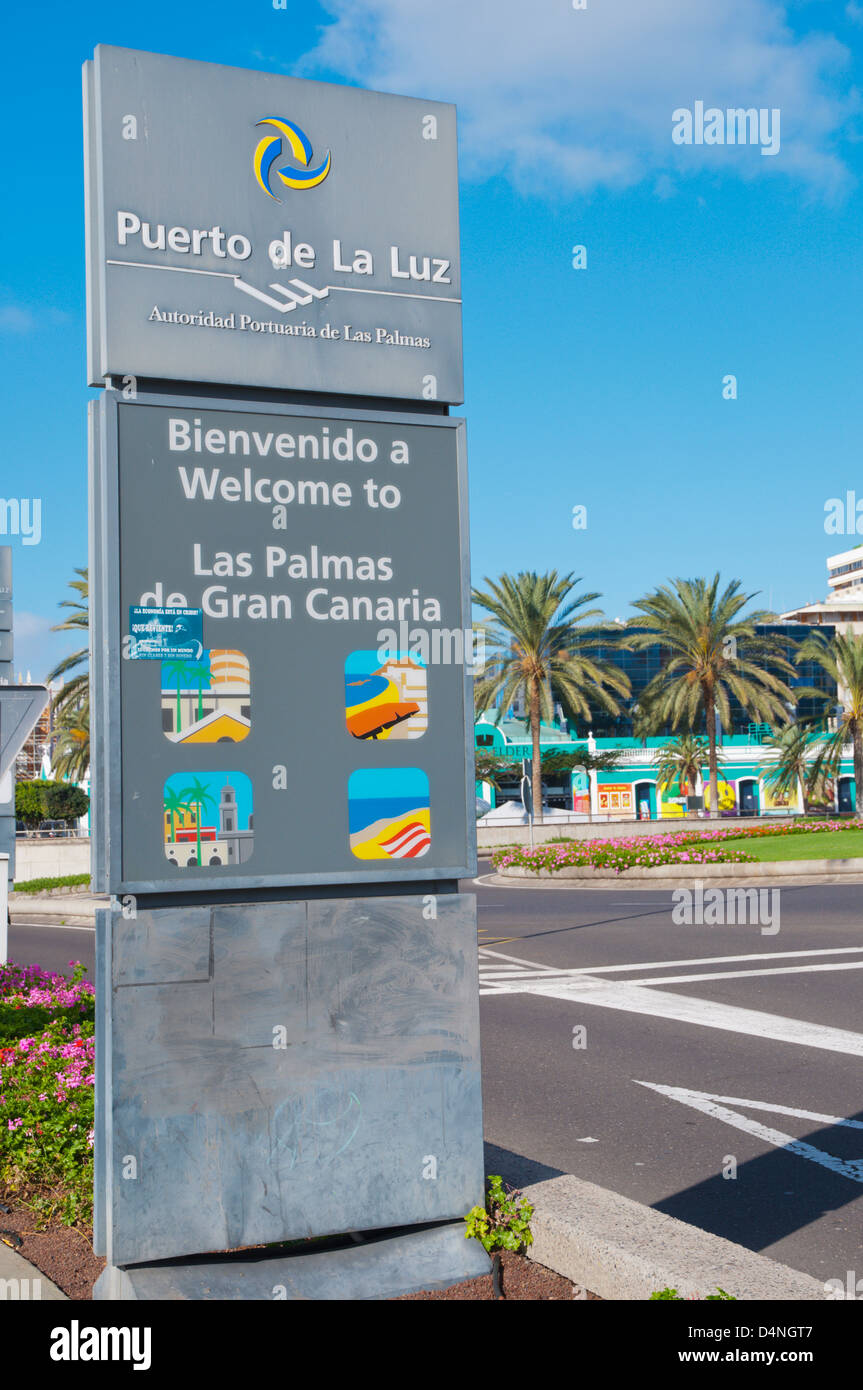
(28, 1282)
(840, 870)
(56, 909)
(621, 885)
(621, 1249)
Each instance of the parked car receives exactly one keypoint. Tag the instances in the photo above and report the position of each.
(52, 828)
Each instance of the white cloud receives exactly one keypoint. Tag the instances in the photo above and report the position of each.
(557, 98)
(21, 318)
(31, 624)
(35, 647)
(14, 318)
(854, 12)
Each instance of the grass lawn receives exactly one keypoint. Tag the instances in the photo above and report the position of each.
(825, 844)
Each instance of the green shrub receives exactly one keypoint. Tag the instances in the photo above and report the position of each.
(504, 1223)
(64, 801)
(29, 806)
(41, 885)
(31, 998)
(43, 800)
(46, 1111)
(46, 1090)
(673, 1296)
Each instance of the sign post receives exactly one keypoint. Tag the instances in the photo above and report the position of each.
(7, 776)
(4, 909)
(280, 649)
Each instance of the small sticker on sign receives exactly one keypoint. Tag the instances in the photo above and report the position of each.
(157, 633)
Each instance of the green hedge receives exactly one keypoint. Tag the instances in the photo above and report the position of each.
(41, 885)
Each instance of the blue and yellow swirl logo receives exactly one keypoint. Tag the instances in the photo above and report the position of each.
(270, 149)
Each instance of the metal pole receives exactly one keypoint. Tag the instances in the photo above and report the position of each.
(4, 909)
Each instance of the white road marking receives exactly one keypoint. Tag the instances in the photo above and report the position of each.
(669, 964)
(57, 926)
(640, 996)
(772, 1108)
(748, 974)
(710, 1105)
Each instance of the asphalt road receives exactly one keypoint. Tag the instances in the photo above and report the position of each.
(53, 947)
(604, 1057)
(707, 1049)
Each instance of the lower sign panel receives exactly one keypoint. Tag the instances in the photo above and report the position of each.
(278, 1071)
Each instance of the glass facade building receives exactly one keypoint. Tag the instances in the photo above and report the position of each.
(642, 666)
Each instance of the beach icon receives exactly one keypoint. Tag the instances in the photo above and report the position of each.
(388, 813)
(385, 700)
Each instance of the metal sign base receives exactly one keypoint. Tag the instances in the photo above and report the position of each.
(276, 1071)
(372, 1269)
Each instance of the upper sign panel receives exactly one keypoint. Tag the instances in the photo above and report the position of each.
(257, 230)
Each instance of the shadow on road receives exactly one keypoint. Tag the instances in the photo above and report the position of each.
(516, 1169)
(775, 1194)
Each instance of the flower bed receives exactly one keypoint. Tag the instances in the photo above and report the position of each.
(690, 846)
(47, 1073)
(31, 998)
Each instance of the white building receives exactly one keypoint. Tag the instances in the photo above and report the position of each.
(843, 606)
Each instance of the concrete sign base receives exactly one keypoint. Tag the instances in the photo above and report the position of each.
(411, 1261)
(277, 1070)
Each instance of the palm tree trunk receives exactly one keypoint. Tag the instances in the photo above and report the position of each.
(857, 736)
(711, 757)
(535, 749)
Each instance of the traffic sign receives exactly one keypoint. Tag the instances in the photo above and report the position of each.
(20, 707)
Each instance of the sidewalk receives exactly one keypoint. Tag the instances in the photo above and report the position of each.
(19, 1280)
(56, 907)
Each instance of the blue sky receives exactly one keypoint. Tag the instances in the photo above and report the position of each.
(600, 387)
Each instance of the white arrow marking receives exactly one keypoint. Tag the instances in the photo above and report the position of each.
(710, 1105)
(640, 998)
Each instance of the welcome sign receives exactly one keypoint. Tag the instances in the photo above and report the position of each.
(256, 230)
(315, 730)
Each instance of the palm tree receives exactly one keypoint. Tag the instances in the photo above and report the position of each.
(199, 673)
(174, 803)
(713, 654)
(177, 672)
(489, 767)
(599, 761)
(682, 761)
(536, 646)
(842, 658)
(198, 796)
(793, 767)
(71, 756)
(75, 692)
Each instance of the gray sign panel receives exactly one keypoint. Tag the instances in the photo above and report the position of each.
(5, 572)
(259, 230)
(20, 707)
(5, 615)
(323, 737)
(241, 1141)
